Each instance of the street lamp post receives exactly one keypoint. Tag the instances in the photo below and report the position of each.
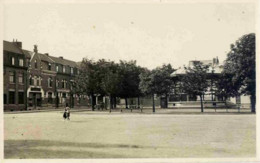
(71, 93)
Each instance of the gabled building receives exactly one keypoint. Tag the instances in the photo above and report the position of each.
(50, 80)
(42, 75)
(179, 97)
(15, 76)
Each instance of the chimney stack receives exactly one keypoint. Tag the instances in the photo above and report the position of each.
(61, 57)
(19, 44)
(47, 54)
(35, 49)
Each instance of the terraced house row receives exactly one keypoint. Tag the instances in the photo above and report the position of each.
(32, 79)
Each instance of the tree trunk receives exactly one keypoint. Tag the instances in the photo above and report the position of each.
(114, 102)
(201, 103)
(93, 102)
(253, 101)
(138, 102)
(225, 100)
(153, 104)
(126, 104)
(111, 103)
(166, 102)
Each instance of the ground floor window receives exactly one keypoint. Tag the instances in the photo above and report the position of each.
(11, 97)
(5, 99)
(20, 97)
(64, 95)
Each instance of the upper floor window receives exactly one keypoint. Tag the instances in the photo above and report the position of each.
(20, 78)
(20, 62)
(38, 81)
(28, 62)
(71, 70)
(57, 83)
(13, 61)
(49, 66)
(63, 84)
(35, 64)
(63, 69)
(57, 68)
(31, 81)
(11, 77)
(50, 82)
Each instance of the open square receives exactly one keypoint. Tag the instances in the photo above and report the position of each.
(128, 135)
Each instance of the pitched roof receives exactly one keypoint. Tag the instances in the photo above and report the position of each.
(11, 47)
(28, 54)
(64, 61)
(46, 58)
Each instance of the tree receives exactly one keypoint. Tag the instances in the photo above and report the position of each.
(225, 87)
(195, 80)
(241, 65)
(146, 84)
(129, 83)
(157, 81)
(91, 79)
(111, 82)
(163, 81)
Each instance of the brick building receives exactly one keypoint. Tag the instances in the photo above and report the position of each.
(15, 76)
(33, 79)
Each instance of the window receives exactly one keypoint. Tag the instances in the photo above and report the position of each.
(31, 81)
(49, 66)
(57, 83)
(20, 78)
(38, 81)
(63, 95)
(20, 97)
(50, 82)
(20, 62)
(63, 84)
(13, 61)
(57, 68)
(71, 70)
(5, 99)
(11, 97)
(12, 77)
(35, 64)
(63, 69)
(28, 62)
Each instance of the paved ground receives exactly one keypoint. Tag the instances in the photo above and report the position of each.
(129, 135)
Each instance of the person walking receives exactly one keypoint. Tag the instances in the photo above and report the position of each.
(68, 111)
(65, 114)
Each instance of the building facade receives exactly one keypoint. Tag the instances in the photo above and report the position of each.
(15, 76)
(33, 80)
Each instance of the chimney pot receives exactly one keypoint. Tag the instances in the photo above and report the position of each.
(18, 44)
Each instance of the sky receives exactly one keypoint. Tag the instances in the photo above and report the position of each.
(150, 33)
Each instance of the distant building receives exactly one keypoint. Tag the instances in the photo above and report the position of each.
(215, 68)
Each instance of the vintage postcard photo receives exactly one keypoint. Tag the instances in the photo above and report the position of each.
(138, 80)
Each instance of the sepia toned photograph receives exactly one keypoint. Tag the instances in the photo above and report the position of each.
(129, 80)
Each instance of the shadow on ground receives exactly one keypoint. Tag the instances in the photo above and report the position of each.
(24, 149)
